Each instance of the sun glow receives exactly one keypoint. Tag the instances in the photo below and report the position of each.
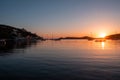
(102, 35)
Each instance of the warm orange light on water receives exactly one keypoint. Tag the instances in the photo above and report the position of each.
(103, 45)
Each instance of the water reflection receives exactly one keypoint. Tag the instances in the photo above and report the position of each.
(108, 45)
(62, 60)
(103, 45)
(9, 47)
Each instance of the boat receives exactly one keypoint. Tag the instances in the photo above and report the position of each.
(90, 39)
(100, 40)
(57, 39)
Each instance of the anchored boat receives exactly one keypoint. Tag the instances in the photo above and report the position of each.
(100, 40)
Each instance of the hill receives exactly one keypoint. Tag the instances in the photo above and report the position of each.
(84, 37)
(10, 32)
(113, 37)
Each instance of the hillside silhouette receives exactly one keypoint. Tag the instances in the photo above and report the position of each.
(10, 32)
(113, 37)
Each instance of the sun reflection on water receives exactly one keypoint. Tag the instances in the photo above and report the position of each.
(103, 45)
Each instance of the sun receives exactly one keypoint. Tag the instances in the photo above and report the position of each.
(102, 35)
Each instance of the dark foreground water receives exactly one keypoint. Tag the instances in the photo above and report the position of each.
(61, 60)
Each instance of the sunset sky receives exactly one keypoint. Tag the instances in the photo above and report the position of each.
(62, 17)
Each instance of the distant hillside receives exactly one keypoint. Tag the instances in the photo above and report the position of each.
(114, 36)
(9, 32)
(84, 37)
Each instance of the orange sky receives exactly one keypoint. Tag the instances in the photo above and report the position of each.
(64, 17)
